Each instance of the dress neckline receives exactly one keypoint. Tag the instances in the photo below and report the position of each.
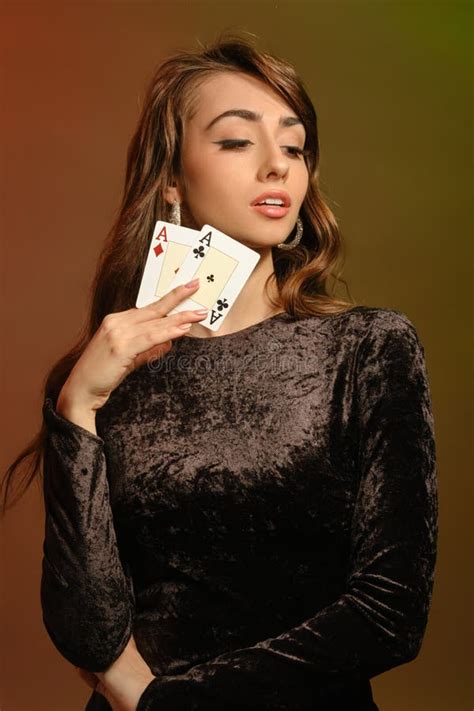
(234, 334)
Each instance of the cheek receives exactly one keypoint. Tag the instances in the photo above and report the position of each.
(210, 178)
(303, 181)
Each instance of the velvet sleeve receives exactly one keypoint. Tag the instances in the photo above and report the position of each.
(379, 621)
(86, 597)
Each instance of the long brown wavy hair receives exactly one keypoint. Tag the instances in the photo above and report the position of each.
(305, 276)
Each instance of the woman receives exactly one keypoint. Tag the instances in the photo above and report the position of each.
(244, 519)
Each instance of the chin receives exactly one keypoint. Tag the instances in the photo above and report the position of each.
(269, 235)
(262, 244)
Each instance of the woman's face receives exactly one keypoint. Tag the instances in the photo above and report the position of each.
(220, 184)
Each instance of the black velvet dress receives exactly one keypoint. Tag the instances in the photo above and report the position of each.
(259, 509)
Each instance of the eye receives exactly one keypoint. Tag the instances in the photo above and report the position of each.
(228, 144)
(297, 152)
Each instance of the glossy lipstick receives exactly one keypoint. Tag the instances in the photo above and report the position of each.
(273, 210)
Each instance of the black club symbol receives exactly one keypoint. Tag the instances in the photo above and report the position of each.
(199, 251)
(222, 304)
(210, 277)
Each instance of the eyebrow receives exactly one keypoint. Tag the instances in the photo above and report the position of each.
(252, 116)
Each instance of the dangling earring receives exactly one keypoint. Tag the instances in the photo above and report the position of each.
(175, 213)
(297, 237)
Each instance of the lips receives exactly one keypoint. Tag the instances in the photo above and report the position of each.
(276, 194)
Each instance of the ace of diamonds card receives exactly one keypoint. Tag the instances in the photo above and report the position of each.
(169, 247)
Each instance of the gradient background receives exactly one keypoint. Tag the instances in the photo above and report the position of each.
(391, 83)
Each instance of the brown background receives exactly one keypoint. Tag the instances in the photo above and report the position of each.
(392, 87)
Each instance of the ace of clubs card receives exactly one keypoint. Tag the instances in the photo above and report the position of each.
(223, 265)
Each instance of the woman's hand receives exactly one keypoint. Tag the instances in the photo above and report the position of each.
(124, 341)
(124, 681)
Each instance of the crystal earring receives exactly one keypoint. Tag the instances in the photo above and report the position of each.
(175, 213)
(297, 237)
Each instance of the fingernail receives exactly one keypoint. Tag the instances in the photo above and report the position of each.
(201, 311)
(192, 283)
(185, 326)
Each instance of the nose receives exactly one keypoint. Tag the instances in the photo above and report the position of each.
(273, 163)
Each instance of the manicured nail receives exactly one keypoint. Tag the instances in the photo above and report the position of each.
(201, 311)
(185, 326)
(192, 283)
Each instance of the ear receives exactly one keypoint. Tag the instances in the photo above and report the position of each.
(172, 194)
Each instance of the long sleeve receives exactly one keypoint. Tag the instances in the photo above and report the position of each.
(87, 598)
(379, 621)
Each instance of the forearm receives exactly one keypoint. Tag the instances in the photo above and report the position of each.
(87, 600)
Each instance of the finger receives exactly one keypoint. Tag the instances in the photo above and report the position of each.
(162, 306)
(152, 335)
(101, 689)
(133, 340)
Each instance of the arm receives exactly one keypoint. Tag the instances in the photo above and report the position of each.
(379, 621)
(86, 597)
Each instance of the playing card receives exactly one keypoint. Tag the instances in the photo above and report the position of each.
(223, 265)
(169, 247)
